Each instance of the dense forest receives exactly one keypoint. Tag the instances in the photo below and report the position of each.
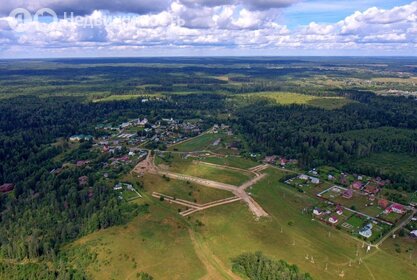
(46, 210)
(316, 136)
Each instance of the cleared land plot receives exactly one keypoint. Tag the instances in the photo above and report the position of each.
(288, 98)
(183, 190)
(186, 166)
(233, 161)
(199, 143)
(303, 237)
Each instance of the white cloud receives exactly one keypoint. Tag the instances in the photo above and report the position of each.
(213, 25)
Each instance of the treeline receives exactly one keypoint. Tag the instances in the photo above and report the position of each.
(256, 266)
(38, 271)
(315, 136)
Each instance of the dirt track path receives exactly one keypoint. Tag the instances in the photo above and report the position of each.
(215, 268)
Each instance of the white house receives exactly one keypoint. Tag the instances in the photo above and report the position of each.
(317, 212)
(314, 180)
(366, 231)
(333, 220)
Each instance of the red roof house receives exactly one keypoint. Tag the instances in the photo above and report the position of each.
(371, 189)
(357, 185)
(398, 208)
(348, 194)
(5, 188)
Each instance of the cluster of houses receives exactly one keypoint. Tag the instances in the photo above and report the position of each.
(80, 137)
(167, 130)
(279, 160)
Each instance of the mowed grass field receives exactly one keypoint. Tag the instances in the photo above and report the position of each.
(199, 143)
(188, 167)
(232, 161)
(169, 246)
(288, 98)
(183, 190)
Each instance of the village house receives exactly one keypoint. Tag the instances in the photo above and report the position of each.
(80, 137)
(270, 159)
(303, 177)
(366, 231)
(371, 189)
(357, 185)
(396, 208)
(81, 163)
(348, 194)
(5, 188)
(339, 210)
(317, 212)
(333, 220)
(315, 180)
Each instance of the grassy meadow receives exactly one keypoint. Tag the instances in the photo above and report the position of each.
(169, 246)
(288, 98)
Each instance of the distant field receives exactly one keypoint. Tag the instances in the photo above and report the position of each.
(288, 98)
(232, 161)
(120, 97)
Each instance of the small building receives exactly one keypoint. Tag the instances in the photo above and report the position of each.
(6, 188)
(348, 194)
(303, 177)
(81, 163)
(80, 137)
(270, 159)
(357, 185)
(330, 177)
(333, 220)
(413, 234)
(371, 189)
(366, 231)
(339, 211)
(317, 212)
(397, 208)
(315, 180)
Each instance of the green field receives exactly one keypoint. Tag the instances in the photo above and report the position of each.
(199, 143)
(232, 161)
(288, 98)
(183, 190)
(160, 245)
(189, 167)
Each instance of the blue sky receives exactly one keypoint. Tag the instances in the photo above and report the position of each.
(331, 11)
(209, 27)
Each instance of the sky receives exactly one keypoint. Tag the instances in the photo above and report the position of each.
(124, 28)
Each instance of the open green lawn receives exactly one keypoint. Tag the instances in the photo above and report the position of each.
(233, 161)
(160, 244)
(287, 98)
(183, 190)
(199, 143)
(186, 166)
